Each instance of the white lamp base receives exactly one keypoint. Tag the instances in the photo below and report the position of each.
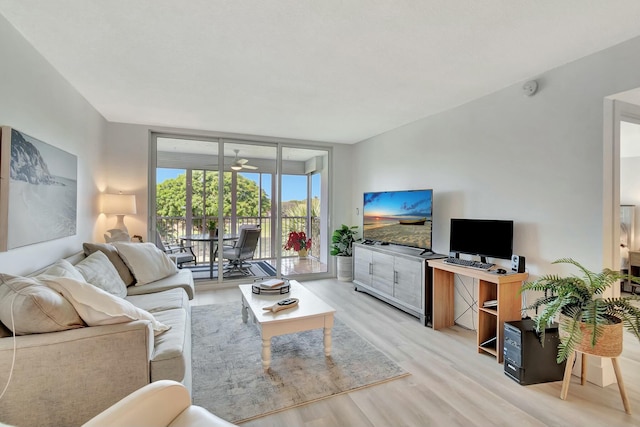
(120, 224)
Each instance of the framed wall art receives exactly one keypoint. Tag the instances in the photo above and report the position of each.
(38, 191)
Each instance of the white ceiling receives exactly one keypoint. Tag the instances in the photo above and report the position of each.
(329, 70)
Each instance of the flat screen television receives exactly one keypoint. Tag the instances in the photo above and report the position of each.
(487, 238)
(398, 217)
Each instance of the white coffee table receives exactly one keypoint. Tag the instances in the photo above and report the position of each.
(310, 313)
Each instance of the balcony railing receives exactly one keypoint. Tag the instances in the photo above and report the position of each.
(171, 228)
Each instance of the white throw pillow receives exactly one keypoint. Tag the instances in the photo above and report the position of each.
(29, 306)
(97, 307)
(146, 262)
(63, 268)
(98, 270)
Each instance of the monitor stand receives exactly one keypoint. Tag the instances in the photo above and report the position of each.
(483, 259)
(427, 251)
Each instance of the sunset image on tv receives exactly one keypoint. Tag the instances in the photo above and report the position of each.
(399, 217)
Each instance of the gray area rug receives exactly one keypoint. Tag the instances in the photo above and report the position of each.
(229, 381)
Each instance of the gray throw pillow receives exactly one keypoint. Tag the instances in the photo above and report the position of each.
(112, 253)
(146, 261)
(100, 272)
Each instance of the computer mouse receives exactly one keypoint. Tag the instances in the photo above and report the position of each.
(501, 271)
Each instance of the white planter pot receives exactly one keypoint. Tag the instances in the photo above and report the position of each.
(344, 269)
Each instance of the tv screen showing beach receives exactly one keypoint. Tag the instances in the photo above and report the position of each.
(398, 217)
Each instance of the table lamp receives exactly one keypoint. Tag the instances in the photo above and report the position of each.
(119, 205)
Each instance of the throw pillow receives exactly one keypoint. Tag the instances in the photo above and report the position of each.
(146, 261)
(28, 306)
(63, 268)
(112, 253)
(99, 271)
(97, 307)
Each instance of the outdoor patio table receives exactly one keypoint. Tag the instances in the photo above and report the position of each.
(213, 244)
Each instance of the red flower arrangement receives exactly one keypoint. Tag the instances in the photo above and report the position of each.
(297, 241)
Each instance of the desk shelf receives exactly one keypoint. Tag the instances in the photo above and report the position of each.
(505, 288)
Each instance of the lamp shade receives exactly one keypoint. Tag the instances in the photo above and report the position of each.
(119, 204)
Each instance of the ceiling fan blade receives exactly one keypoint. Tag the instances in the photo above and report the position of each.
(249, 167)
(242, 161)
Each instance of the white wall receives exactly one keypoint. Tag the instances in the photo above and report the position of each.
(36, 100)
(537, 160)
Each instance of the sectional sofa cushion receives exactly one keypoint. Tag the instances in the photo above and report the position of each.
(28, 306)
(97, 307)
(182, 279)
(112, 253)
(146, 262)
(98, 270)
(161, 301)
(172, 350)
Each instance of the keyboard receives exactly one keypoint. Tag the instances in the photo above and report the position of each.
(467, 263)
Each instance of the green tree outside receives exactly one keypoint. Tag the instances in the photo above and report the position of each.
(171, 196)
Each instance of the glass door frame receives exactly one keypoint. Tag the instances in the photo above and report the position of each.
(276, 198)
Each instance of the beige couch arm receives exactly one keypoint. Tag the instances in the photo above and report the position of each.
(65, 378)
(161, 403)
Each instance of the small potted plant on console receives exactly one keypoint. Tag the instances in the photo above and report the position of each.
(341, 247)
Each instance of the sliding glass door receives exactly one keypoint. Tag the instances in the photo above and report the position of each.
(207, 190)
(303, 220)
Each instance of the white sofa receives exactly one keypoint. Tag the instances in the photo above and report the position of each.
(159, 404)
(66, 377)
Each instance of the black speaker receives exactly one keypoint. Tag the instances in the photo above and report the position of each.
(517, 263)
(526, 360)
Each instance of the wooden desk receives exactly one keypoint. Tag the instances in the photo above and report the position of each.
(502, 287)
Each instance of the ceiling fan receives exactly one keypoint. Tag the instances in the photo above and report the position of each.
(239, 164)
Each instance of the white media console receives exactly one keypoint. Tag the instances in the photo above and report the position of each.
(398, 275)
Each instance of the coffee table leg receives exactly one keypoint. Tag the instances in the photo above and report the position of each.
(245, 311)
(266, 353)
(328, 324)
(327, 342)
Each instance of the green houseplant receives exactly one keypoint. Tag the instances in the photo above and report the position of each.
(587, 320)
(342, 248)
(212, 227)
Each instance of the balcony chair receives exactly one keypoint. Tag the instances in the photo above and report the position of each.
(179, 254)
(158, 404)
(241, 251)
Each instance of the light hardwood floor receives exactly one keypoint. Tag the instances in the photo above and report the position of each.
(451, 384)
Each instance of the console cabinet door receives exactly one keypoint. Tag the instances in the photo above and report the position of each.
(408, 281)
(362, 265)
(382, 276)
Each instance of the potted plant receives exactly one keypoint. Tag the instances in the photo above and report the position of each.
(298, 241)
(212, 227)
(341, 247)
(588, 323)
